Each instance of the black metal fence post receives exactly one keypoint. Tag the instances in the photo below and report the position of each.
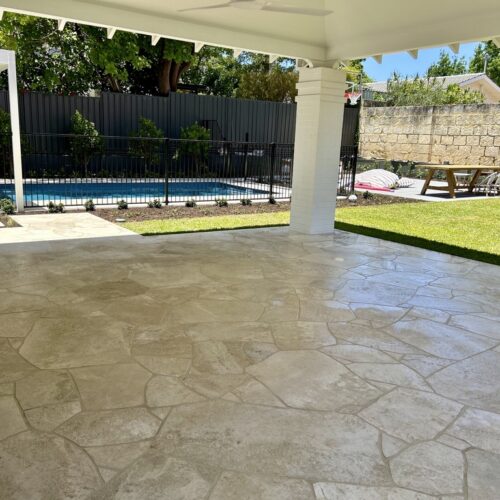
(271, 173)
(166, 146)
(246, 157)
(354, 164)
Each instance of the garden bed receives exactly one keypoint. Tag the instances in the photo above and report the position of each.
(139, 214)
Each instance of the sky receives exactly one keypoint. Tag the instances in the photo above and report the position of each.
(405, 65)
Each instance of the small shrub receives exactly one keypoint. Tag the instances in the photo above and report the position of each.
(55, 208)
(154, 204)
(367, 195)
(122, 205)
(221, 202)
(86, 141)
(246, 202)
(146, 142)
(272, 200)
(191, 203)
(89, 206)
(195, 146)
(6, 206)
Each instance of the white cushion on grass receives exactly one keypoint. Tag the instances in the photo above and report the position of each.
(404, 182)
(378, 178)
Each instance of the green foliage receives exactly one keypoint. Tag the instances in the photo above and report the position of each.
(89, 206)
(246, 202)
(355, 72)
(86, 141)
(275, 85)
(427, 92)
(55, 208)
(446, 66)
(221, 202)
(490, 50)
(122, 205)
(190, 203)
(367, 195)
(194, 145)
(145, 142)
(6, 206)
(154, 204)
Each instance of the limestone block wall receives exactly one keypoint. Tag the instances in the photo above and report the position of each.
(459, 134)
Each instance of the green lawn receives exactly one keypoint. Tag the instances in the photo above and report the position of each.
(196, 224)
(466, 228)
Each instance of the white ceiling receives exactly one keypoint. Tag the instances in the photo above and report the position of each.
(354, 29)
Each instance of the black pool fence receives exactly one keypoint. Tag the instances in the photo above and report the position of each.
(72, 169)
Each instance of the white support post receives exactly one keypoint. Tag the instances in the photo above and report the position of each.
(8, 57)
(318, 134)
(110, 32)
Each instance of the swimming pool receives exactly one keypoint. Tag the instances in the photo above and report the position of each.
(133, 191)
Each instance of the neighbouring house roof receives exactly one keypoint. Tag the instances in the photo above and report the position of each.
(461, 80)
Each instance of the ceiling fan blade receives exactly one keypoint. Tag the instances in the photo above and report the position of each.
(208, 7)
(289, 9)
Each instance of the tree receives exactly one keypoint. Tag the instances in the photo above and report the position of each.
(446, 66)
(276, 85)
(490, 50)
(427, 92)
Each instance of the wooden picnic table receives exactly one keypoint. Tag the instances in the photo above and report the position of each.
(450, 171)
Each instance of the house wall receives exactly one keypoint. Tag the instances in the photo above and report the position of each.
(460, 134)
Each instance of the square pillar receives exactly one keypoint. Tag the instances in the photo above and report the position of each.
(318, 135)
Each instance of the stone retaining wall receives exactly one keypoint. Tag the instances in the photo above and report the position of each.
(460, 134)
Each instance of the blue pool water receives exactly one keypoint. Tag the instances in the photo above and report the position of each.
(132, 191)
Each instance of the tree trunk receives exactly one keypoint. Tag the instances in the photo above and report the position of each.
(114, 84)
(164, 86)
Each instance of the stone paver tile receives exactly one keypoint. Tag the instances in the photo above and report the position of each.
(440, 340)
(279, 310)
(369, 337)
(369, 292)
(111, 386)
(207, 310)
(167, 391)
(163, 365)
(174, 347)
(139, 310)
(214, 386)
(451, 305)
(332, 491)
(391, 445)
(46, 387)
(471, 381)
(312, 380)
(219, 357)
(324, 310)
(479, 428)
(357, 354)
(477, 324)
(118, 456)
(47, 418)
(377, 314)
(430, 467)
(389, 373)
(110, 427)
(411, 415)
(425, 365)
(37, 465)
(156, 476)
(6, 389)
(275, 441)
(452, 442)
(254, 392)
(17, 324)
(232, 485)
(233, 331)
(425, 313)
(483, 479)
(19, 302)
(80, 341)
(11, 417)
(13, 367)
(302, 335)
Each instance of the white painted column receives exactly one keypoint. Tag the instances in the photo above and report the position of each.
(318, 134)
(16, 130)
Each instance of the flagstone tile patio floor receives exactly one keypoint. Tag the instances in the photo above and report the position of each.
(247, 365)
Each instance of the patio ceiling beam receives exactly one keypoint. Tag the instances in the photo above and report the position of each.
(413, 53)
(1, 13)
(61, 24)
(496, 41)
(237, 53)
(454, 47)
(378, 58)
(125, 18)
(273, 58)
(110, 32)
(155, 39)
(198, 46)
